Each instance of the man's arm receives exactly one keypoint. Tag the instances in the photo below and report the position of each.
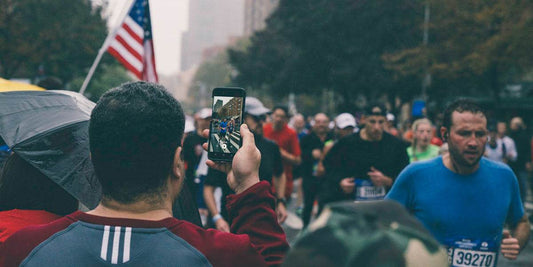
(218, 220)
(379, 179)
(280, 184)
(337, 172)
(290, 158)
(294, 155)
(512, 244)
(512, 154)
(252, 206)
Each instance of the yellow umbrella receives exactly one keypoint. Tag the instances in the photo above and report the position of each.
(6, 86)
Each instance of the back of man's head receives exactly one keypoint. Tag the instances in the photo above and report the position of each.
(134, 132)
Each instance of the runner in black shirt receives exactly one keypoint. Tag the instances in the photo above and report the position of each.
(312, 146)
(363, 166)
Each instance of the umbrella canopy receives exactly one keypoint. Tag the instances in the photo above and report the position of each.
(6, 86)
(49, 129)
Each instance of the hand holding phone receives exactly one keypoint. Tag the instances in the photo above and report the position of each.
(243, 172)
(227, 115)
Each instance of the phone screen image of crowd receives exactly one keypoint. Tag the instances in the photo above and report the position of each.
(225, 125)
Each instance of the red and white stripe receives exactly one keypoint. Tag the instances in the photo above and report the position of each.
(137, 55)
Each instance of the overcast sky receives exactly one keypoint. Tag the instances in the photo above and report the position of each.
(169, 20)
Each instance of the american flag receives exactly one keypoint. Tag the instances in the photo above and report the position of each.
(133, 45)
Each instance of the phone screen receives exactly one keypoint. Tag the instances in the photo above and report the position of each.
(224, 136)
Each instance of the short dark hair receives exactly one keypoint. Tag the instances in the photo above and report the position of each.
(460, 105)
(23, 186)
(284, 108)
(134, 132)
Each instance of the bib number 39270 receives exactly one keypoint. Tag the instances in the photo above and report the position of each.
(467, 258)
(467, 252)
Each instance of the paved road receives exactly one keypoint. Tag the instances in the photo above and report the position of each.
(228, 143)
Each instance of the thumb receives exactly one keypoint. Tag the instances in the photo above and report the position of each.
(247, 136)
(506, 234)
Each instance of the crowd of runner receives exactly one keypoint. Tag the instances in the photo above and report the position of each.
(460, 183)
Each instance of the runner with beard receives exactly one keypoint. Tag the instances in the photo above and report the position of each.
(465, 200)
(271, 168)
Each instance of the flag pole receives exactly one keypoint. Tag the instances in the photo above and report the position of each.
(102, 50)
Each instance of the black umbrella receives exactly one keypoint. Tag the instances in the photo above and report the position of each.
(49, 129)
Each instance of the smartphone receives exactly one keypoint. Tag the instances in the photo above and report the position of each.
(226, 119)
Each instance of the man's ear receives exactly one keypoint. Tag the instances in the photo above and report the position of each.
(177, 165)
(444, 133)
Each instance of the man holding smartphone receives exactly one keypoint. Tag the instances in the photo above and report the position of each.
(270, 169)
(135, 133)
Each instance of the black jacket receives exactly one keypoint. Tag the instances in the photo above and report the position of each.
(352, 157)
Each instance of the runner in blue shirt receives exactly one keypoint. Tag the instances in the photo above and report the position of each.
(463, 199)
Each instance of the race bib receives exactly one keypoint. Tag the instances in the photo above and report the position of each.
(365, 190)
(467, 252)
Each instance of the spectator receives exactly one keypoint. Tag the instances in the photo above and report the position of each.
(135, 132)
(270, 169)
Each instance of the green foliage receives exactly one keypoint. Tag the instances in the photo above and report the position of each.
(63, 36)
(312, 45)
(214, 72)
(474, 46)
(107, 76)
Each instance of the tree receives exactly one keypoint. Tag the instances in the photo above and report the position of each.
(313, 45)
(60, 36)
(107, 76)
(214, 72)
(473, 46)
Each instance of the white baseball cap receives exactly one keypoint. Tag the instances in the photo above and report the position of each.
(254, 107)
(344, 120)
(204, 113)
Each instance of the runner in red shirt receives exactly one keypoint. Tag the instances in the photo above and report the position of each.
(288, 143)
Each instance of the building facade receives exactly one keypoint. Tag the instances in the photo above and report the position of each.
(255, 14)
(211, 23)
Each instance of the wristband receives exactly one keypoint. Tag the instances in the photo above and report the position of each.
(216, 217)
(282, 200)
